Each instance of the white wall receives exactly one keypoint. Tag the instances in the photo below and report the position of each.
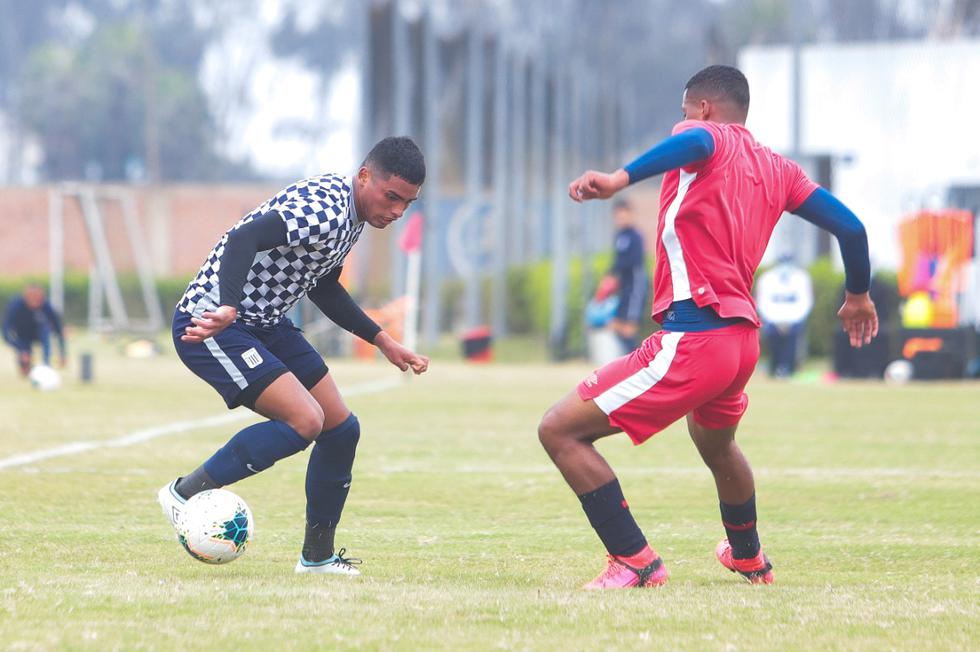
(907, 112)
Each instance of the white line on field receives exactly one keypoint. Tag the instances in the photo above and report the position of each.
(174, 428)
(838, 473)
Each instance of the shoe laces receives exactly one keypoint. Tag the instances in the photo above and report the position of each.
(346, 562)
(612, 568)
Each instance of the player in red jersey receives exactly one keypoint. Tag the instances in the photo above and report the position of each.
(722, 194)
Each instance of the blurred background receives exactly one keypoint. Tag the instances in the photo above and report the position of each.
(133, 133)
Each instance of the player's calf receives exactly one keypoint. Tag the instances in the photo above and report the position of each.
(328, 481)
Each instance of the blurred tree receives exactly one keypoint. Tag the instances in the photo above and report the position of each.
(88, 107)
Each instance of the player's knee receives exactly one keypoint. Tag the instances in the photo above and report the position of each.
(308, 422)
(342, 438)
(551, 434)
(718, 455)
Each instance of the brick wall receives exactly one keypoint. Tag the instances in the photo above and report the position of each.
(179, 223)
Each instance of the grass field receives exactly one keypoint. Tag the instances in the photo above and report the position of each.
(869, 499)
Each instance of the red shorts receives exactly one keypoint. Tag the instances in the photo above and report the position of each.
(673, 374)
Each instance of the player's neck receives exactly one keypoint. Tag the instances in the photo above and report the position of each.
(355, 203)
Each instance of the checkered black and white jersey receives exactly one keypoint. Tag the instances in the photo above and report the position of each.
(321, 227)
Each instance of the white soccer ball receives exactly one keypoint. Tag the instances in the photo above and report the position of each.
(898, 371)
(45, 378)
(216, 526)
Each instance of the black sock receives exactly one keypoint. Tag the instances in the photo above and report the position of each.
(610, 516)
(318, 543)
(739, 522)
(195, 482)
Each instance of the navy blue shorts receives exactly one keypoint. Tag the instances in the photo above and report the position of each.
(241, 361)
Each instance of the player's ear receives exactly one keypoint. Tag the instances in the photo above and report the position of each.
(363, 174)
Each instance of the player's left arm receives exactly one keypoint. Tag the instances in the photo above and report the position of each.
(336, 303)
(680, 150)
(59, 331)
(858, 315)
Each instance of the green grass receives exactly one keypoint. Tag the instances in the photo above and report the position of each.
(868, 494)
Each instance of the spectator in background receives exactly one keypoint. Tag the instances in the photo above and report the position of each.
(627, 277)
(785, 297)
(31, 318)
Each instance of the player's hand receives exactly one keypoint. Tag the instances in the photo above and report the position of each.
(859, 318)
(607, 286)
(598, 185)
(209, 324)
(400, 356)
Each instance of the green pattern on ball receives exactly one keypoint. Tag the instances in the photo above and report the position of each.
(236, 530)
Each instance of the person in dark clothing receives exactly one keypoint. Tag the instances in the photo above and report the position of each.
(628, 276)
(31, 318)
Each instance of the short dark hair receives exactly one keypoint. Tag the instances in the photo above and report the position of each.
(723, 82)
(622, 204)
(398, 155)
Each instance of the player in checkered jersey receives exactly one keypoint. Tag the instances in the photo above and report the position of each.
(231, 330)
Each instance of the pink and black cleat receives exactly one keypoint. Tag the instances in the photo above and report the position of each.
(620, 575)
(757, 570)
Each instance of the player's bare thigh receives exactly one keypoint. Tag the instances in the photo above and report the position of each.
(572, 419)
(285, 399)
(711, 443)
(326, 394)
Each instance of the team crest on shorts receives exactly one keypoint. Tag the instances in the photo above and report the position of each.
(592, 380)
(252, 358)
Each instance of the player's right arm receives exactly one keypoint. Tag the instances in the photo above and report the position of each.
(680, 150)
(9, 336)
(260, 234)
(858, 315)
(336, 303)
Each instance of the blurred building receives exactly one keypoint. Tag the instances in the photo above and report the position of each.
(892, 118)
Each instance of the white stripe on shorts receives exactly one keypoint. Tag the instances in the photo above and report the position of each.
(229, 366)
(626, 390)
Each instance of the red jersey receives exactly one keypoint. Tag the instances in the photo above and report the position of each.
(716, 218)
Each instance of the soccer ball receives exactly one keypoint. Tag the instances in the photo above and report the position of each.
(44, 378)
(216, 526)
(899, 372)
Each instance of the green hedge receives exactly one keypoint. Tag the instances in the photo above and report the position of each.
(828, 295)
(76, 293)
(528, 299)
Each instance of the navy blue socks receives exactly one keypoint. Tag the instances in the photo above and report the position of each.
(253, 449)
(328, 479)
(610, 516)
(739, 522)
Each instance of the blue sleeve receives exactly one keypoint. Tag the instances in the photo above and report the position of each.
(827, 212)
(264, 232)
(678, 151)
(336, 303)
(55, 322)
(53, 318)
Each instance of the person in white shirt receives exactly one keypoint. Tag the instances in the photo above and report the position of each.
(784, 297)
